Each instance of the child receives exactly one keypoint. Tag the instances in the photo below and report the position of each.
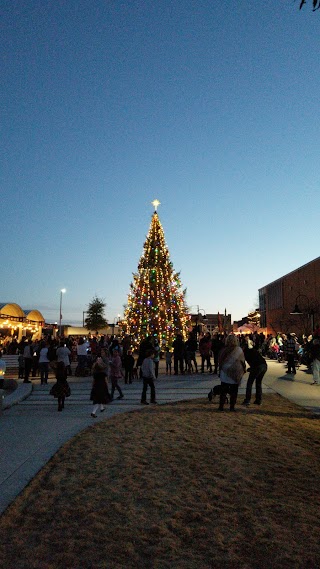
(99, 392)
(168, 361)
(61, 388)
(128, 366)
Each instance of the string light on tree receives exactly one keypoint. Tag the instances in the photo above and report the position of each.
(156, 302)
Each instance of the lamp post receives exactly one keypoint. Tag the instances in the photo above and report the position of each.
(310, 312)
(62, 291)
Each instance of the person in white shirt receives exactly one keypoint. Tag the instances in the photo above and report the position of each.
(63, 355)
(43, 363)
(148, 377)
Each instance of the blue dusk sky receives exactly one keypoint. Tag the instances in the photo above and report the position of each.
(210, 107)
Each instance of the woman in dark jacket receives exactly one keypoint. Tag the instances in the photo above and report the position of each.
(99, 393)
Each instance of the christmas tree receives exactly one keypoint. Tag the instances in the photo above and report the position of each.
(156, 304)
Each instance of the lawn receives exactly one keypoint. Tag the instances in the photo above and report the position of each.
(176, 486)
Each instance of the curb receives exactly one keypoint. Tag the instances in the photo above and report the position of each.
(22, 392)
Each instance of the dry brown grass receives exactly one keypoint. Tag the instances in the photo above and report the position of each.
(176, 486)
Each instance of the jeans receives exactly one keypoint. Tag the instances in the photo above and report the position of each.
(148, 381)
(256, 374)
(115, 385)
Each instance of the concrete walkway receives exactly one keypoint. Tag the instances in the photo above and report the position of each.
(32, 430)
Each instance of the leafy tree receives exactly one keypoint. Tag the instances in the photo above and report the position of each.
(315, 4)
(95, 315)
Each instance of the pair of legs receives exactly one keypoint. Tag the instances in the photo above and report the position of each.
(191, 359)
(96, 407)
(27, 369)
(216, 361)
(148, 382)
(207, 360)
(61, 403)
(156, 369)
(128, 375)
(291, 364)
(232, 389)
(168, 368)
(256, 375)
(316, 371)
(178, 364)
(115, 385)
(44, 372)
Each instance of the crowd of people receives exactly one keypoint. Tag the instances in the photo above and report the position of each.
(110, 359)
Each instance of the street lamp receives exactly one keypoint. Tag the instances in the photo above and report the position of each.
(310, 312)
(116, 321)
(62, 291)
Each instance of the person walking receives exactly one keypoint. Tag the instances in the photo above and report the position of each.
(99, 393)
(232, 366)
(116, 372)
(257, 370)
(148, 377)
(60, 390)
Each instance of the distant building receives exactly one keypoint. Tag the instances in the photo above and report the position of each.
(292, 302)
(212, 322)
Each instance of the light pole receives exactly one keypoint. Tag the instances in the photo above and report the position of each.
(62, 291)
(116, 320)
(309, 311)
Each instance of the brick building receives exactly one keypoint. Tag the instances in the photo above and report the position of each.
(292, 302)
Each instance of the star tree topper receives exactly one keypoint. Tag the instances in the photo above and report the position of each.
(155, 204)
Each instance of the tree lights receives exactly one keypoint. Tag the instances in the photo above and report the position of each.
(156, 304)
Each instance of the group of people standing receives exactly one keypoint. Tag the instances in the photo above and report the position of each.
(113, 360)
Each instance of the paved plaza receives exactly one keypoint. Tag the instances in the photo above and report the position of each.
(32, 430)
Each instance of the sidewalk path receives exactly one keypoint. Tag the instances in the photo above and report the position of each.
(32, 431)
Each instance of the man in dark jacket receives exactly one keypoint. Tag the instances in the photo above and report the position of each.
(178, 354)
(257, 370)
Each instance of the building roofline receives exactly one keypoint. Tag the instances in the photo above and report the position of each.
(291, 272)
